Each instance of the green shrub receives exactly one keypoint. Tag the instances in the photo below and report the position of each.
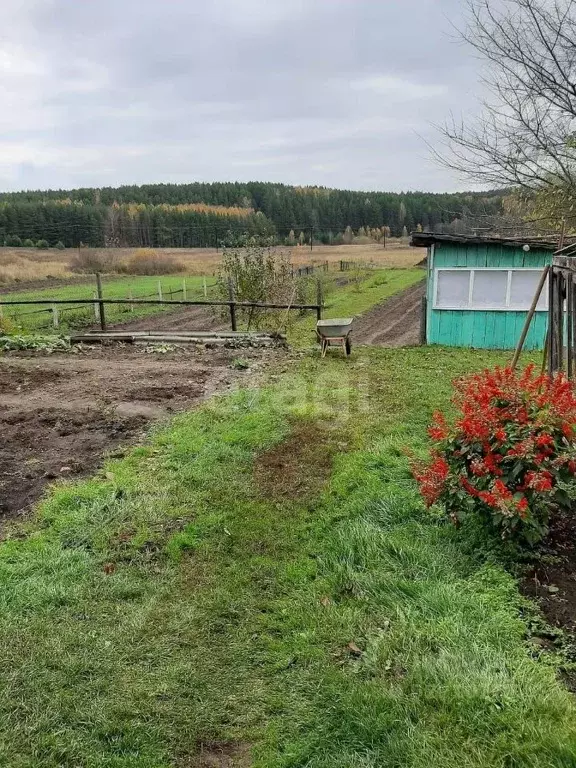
(29, 243)
(13, 241)
(42, 244)
(60, 245)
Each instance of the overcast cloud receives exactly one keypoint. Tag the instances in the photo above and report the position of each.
(332, 92)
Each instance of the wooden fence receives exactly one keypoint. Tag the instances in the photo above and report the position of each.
(561, 338)
(53, 306)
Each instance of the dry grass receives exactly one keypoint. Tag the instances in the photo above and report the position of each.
(20, 265)
(26, 264)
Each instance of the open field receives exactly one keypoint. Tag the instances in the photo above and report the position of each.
(259, 585)
(351, 292)
(30, 264)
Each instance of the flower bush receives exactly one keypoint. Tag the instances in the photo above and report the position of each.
(510, 456)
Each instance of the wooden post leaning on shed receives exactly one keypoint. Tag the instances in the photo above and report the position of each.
(101, 310)
(232, 304)
(529, 316)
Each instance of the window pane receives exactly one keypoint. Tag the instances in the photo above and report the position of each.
(490, 288)
(453, 286)
(523, 288)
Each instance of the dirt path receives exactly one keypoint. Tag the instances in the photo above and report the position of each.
(60, 414)
(394, 323)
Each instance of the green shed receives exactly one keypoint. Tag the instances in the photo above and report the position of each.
(479, 290)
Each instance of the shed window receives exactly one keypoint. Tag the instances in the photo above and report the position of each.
(453, 288)
(523, 286)
(488, 289)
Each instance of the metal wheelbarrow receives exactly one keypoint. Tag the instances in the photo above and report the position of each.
(333, 333)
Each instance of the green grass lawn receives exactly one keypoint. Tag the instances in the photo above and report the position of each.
(113, 288)
(261, 579)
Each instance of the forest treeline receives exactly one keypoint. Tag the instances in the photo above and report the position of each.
(197, 214)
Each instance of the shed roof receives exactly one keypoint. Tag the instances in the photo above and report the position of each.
(423, 239)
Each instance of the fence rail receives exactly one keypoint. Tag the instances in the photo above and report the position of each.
(101, 304)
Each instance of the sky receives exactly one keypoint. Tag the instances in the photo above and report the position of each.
(340, 93)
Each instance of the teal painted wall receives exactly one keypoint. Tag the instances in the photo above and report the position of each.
(485, 329)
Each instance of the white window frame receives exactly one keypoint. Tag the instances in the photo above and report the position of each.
(487, 308)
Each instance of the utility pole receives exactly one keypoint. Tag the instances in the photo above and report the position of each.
(311, 237)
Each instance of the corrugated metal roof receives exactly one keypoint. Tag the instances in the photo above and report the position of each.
(423, 239)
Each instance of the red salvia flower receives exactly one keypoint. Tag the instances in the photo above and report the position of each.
(534, 417)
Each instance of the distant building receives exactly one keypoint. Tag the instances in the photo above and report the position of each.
(479, 290)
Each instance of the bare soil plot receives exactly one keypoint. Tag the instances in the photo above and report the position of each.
(394, 323)
(184, 319)
(60, 414)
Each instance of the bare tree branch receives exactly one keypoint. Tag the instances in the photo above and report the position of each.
(526, 133)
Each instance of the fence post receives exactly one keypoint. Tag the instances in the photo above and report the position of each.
(1, 311)
(423, 316)
(183, 290)
(101, 310)
(232, 304)
(130, 296)
(159, 290)
(341, 266)
(205, 288)
(96, 315)
(569, 325)
(319, 296)
(54, 316)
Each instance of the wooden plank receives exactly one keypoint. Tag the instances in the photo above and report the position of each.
(434, 327)
(490, 329)
(479, 329)
(499, 330)
(461, 323)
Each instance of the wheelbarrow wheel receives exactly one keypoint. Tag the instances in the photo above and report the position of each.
(348, 346)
